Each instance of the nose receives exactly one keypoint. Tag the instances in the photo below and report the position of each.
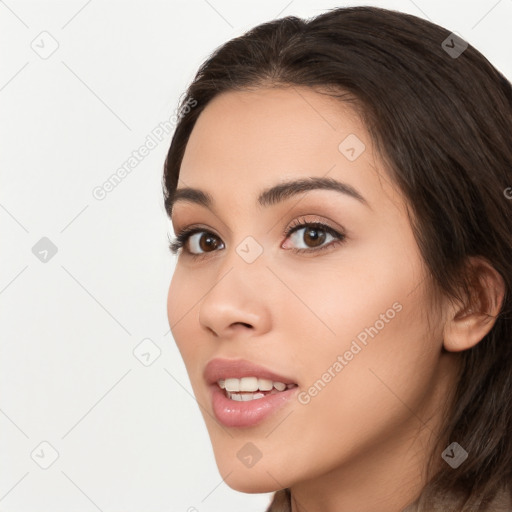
(237, 301)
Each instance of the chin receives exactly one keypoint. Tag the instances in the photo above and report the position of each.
(250, 485)
(254, 480)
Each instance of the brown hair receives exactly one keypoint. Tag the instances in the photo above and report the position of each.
(443, 124)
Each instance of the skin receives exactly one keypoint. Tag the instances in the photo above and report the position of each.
(362, 442)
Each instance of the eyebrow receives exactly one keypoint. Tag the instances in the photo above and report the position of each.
(270, 196)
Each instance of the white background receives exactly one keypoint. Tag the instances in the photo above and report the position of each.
(129, 437)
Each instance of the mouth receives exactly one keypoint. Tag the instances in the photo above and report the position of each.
(244, 394)
(251, 388)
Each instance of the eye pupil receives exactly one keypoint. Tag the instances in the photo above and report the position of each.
(318, 239)
(207, 242)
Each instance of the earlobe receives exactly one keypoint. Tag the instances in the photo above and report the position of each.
(467, 325)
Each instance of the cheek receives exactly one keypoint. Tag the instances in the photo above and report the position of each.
(182, 313)
(180, 309)
(379, 368)
(183, 297)
(369, 296)
(367, 352)
(172, 301)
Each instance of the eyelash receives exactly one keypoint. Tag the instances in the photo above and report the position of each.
(182, 237)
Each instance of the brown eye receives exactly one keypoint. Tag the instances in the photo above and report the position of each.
(206, 242)
(198, 242)
(313, 238)
(195, 242)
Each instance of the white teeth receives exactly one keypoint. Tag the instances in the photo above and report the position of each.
(245, 397)
(232, 384)
(251, 384)
(244, 389)
(265, 384)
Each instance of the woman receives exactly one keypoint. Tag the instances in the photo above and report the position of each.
(341, 195)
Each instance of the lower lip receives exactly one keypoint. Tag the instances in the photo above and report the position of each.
(232, 413)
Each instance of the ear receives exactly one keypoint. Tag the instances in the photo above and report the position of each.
(466, 325)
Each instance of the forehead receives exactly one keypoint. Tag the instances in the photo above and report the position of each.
(256, 126)
(248, 141)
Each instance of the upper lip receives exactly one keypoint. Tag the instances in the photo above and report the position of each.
(218, 369)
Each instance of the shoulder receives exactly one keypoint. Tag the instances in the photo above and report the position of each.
(281, 501)
(455, 502)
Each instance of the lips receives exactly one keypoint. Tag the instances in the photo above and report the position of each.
(218, 368)
(253, 409)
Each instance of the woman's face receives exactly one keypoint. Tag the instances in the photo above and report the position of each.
(344, 320)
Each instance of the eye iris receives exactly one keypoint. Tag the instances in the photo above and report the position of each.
(312, 233)
(207, 242)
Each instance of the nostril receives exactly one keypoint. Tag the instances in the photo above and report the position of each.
(236, 325)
